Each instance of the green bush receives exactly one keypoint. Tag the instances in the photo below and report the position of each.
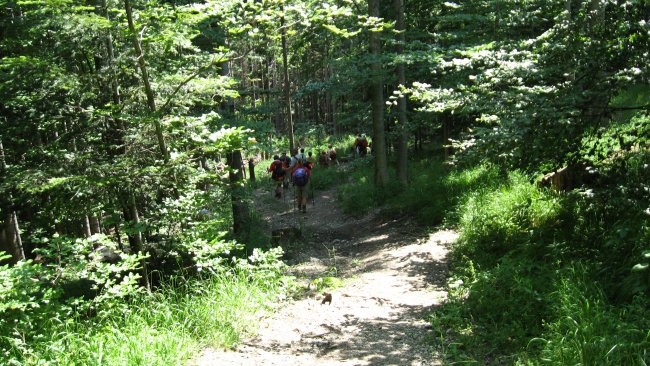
(358, 194)
(496, 221)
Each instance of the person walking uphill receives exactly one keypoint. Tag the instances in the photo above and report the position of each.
(361, 145)
(311, 160)
(300, 177)
(286, 161)
(277, 174)
(323, 160)
(332, 155)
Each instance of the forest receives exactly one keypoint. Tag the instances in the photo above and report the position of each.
(135, 133)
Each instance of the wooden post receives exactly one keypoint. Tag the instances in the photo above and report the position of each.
(251, 169)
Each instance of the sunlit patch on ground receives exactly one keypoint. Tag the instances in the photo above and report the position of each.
(375, 238)
(442, 237)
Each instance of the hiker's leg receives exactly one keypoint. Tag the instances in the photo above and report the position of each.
(303, 199)
(296, 194)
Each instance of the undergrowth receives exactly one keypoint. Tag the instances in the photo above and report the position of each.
(166, 327)
(537, 277)
(547, 278)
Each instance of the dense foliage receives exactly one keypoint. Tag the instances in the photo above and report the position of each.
(121, 123)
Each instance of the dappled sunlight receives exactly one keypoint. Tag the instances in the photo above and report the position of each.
(375, 238)
(393, 273)
(442, 237)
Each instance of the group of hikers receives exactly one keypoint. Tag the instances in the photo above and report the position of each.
(296, 169)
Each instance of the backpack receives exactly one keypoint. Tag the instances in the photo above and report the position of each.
(277, 170)
(300, 159)
(301, 177)
(364, 143)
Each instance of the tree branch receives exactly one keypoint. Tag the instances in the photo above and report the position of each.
(640, 107)
(187, 80)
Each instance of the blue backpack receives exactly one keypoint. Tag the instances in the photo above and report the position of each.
(301, 177)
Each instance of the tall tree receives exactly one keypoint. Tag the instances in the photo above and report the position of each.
(287, 83)
(376, 92)
(240, 212)
(402, 129)
(142, 64)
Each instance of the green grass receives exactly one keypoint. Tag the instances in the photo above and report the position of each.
(326, 177)
(164, 328)
(495, 221)
(588, 329)
(357, 192)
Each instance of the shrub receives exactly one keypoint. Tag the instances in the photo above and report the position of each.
(496, 221)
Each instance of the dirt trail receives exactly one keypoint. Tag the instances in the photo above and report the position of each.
(393, 275)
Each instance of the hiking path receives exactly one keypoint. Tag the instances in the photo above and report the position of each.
(393, 273)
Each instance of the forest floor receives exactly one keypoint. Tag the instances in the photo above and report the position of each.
(393, 274)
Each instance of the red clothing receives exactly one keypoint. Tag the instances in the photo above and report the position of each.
(277, 173)
(362, 142)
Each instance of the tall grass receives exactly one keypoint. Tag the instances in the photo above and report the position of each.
(164, 328)
(357, 191)
(587, 329)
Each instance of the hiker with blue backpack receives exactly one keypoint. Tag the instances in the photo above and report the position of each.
(300, 174)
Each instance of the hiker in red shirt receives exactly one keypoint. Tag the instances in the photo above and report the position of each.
(277, 174)
(361, 145)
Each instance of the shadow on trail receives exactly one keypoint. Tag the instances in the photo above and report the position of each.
(400, 336)
(394, 346)
(397, 270)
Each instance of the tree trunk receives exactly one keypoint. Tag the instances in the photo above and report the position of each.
(3, 162)
(287, 85)
(138, 243)
(115, 124)
(118, 236)
(86, 225)
(95, 225)
(376, 92)
(239, 208)
(228, 105)
(251, 169)
(446, 135)
(10, 240)
(142, 64)
(402, 143)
